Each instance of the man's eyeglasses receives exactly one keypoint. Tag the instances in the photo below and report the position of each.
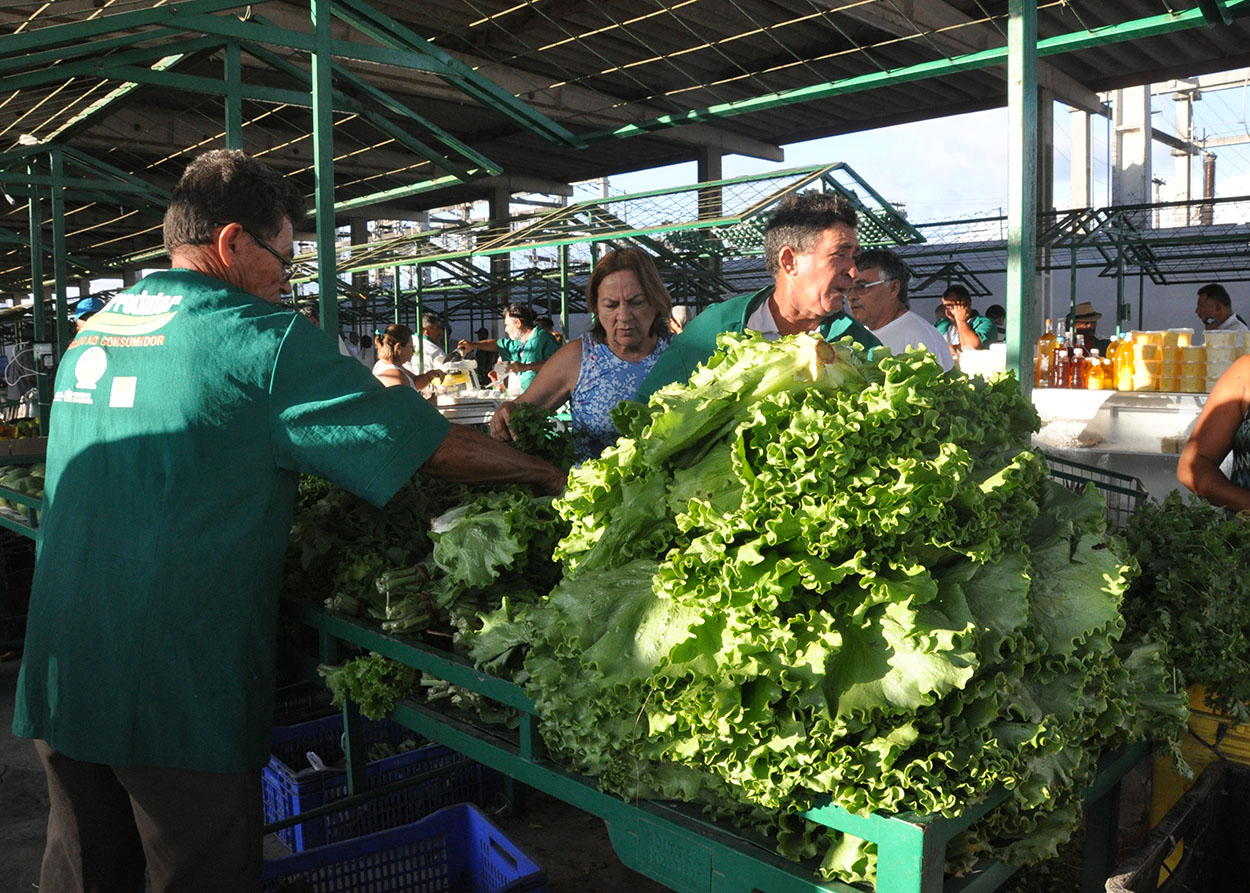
(287, 263)
(860, 287)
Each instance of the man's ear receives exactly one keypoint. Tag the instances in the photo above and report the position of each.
(227, 243)
(787, 259)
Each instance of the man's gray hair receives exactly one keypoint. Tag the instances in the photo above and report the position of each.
(890, 266)
(229, 186)
(799, 221)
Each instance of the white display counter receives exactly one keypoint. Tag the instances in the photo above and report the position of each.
(1134, 433)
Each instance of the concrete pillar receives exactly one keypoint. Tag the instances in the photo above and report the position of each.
(500, 212)
(1130, 147)
(360, 236)
(1082, 164)
(1182, 178)
(711, 206)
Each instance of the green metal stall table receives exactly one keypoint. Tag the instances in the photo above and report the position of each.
(24, 451)
(670, 842)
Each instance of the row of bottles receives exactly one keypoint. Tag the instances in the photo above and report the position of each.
(1063, 361)
(1140, 361)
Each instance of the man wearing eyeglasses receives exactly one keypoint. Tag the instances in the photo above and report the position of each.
(182, 418)
(810, 244)
(878, 300)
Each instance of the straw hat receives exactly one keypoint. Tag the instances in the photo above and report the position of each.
(1085, 311)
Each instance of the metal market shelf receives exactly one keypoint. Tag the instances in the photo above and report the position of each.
(671, 843)
(23, 451)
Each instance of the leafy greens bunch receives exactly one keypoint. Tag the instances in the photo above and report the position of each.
(340, 543)
(495, 558)
(534, 431)
(805, 577)
(1191, 594)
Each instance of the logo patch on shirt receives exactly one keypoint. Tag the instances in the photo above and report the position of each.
(122, 395)
(136, 314)
(90, 367)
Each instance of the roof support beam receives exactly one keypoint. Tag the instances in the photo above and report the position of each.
(76, 33)
(1215, 12)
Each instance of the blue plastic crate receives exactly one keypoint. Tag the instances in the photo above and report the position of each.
(455, 850)
(291, 786)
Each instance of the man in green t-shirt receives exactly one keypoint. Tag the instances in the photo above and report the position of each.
(183, 414)
(961, 326)
(810, 244)
(525, 345)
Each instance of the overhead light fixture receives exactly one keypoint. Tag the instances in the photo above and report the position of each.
(28, 139)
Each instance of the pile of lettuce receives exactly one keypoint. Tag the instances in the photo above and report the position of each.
(807, 578)
(1191, 593)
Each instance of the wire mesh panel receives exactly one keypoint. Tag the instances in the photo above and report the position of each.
(1122, 493)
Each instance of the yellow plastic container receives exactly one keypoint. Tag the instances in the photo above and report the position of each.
(1193, 354)
(1192, 384)
(1211, 736)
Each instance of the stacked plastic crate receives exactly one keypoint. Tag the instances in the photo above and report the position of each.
(424, 832)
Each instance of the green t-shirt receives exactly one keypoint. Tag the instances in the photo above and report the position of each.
(697, 341)
(539, 346)
(182, 417)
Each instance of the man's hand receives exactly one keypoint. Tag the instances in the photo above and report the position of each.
(499, 428)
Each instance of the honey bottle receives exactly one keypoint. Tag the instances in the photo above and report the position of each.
(1045, 356)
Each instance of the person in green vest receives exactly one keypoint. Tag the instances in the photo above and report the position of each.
(525, 345)
(961, 326)
(810, 244)
(183, 415)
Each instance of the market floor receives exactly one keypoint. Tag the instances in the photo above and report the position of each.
(23, 797)
(570, 845)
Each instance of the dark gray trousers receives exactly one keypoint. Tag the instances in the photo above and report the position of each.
(194, 831)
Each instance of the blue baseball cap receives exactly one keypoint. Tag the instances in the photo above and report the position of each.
(87, 306)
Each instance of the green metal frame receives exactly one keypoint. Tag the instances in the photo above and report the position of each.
(670, 842)
(91, 49)
(680, 243)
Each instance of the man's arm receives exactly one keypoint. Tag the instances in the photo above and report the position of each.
(968, 338)
(985, 329)
(472, 457)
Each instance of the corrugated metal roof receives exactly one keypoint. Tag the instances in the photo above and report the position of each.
(442, 101)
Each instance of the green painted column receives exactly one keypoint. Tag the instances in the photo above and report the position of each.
(1022, 188)
(323, 156)
(35, 214)
(564, 291)
(234, 97)
(60, 269)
